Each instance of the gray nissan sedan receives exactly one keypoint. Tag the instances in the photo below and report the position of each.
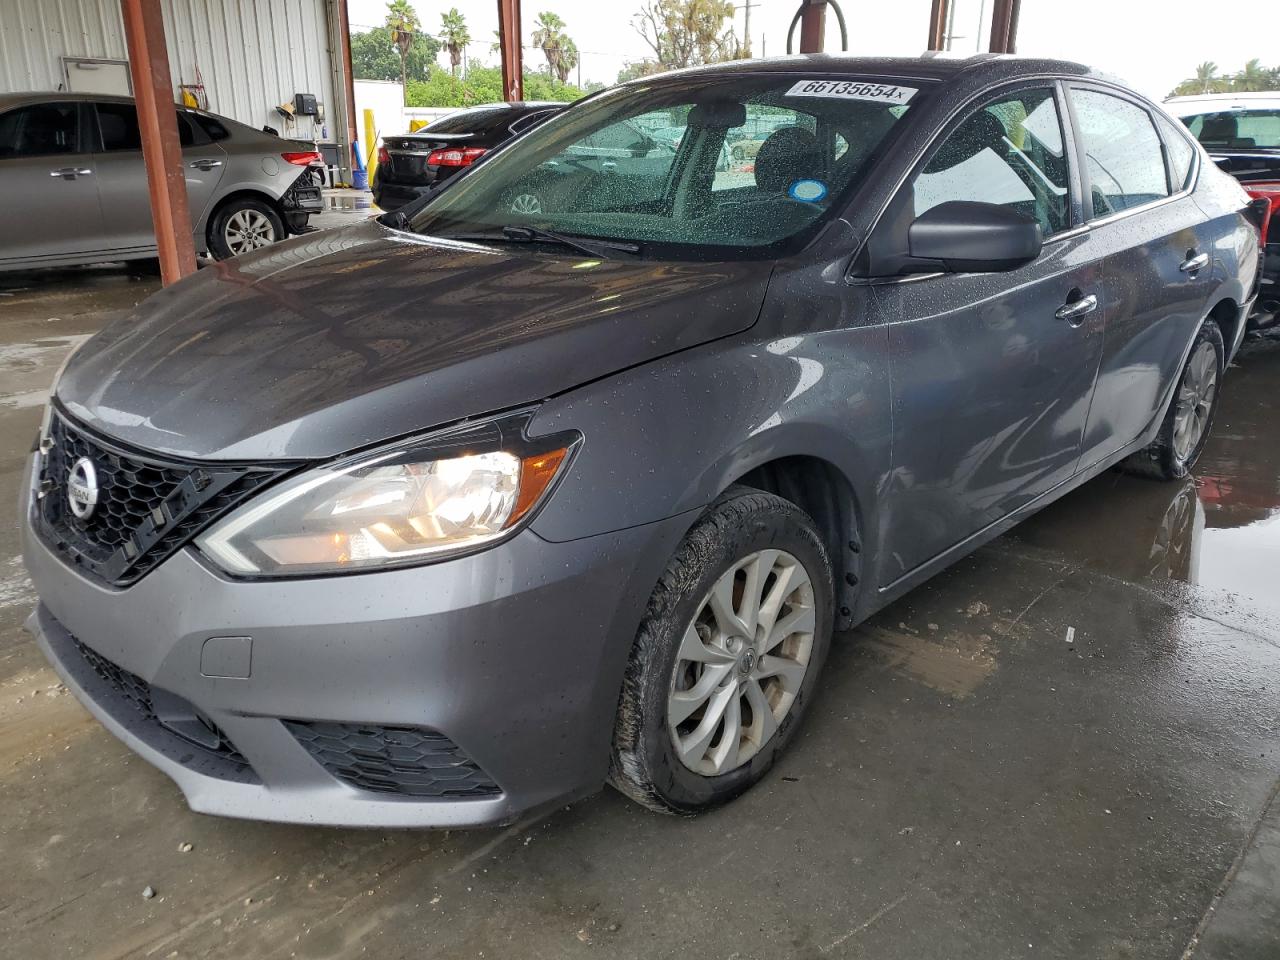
(566, 473)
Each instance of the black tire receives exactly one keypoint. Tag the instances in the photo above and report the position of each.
(1159, 460)
(645, 765)
(218, 245)
(739, 154)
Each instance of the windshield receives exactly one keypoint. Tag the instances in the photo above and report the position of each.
(1236, 129)
(722, 169)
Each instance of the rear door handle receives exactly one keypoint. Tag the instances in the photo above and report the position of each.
(1075, 311)
(205, 164)
(70, 173)
(1198, 262)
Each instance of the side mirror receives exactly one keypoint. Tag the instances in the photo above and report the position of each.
(963, 236)
(642, 147)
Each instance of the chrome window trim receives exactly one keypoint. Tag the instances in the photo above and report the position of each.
(1062, 83)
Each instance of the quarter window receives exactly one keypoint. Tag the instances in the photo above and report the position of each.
(40, 130)
(1008, 152)
(1123, 160)
(1180, 154)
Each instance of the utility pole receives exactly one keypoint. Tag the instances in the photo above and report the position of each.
(745, 7)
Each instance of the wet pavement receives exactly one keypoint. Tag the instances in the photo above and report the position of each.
(1065, 746)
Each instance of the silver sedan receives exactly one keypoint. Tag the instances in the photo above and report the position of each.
(76, 186)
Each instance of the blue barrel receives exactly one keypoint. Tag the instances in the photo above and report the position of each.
(360, 179)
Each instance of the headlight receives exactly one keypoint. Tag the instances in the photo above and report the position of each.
(406, 504)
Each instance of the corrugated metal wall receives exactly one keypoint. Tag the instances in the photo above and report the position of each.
(252, 54)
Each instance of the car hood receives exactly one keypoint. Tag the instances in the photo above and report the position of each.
(341, 339)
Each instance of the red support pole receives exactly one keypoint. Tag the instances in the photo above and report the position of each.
(509, 43)
(1004, 26)
(161, 150)
(813, 26)
(938, 25)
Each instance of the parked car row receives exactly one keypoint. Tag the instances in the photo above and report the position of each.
(76, 186)
(481, 503)
(1241, 131)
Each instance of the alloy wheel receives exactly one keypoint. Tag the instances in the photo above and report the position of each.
(1196, 393)
(248, 230)
(526, 203)
(741, 663)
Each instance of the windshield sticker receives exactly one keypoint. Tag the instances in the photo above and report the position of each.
(807, 191)
(853, 90)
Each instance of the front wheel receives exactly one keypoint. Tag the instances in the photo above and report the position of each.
(726, 657)
(1185, 429)
(242, 226)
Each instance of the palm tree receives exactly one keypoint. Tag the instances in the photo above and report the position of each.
(454, 35)
(550, 36)
(1206, 74)
(1252, 77)
(403, 25)
(568, 59)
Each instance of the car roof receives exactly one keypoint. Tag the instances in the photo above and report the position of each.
(936, 66)
(61, 96)
(1213, 102)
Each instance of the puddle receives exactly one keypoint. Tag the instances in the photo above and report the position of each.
(1219, 529)
(27, 369)
(952, 662)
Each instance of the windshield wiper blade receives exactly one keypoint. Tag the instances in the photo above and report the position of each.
(596, 248)
(602, 249)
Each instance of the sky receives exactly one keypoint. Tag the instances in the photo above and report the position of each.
(1147, 42)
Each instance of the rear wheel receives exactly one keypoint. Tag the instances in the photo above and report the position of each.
(1185, 429)
(726, 657)
(242, 226)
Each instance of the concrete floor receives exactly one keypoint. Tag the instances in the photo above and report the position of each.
(1066, 746)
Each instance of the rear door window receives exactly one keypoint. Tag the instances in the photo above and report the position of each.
(1008, 152)
(118, 127)
(1124, 165)
(40, 130)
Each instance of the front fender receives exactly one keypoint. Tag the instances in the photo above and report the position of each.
(667, 437)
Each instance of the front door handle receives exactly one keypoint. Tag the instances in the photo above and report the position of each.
(1192, 264)
(205, 164)
(1075, 311)
(70, 173)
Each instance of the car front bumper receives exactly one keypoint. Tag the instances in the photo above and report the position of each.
(515, 655)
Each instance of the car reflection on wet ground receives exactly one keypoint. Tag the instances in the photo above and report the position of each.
(1064, 746)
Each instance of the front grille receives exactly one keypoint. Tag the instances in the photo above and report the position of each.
(148, 507)
(167, 715)
(408, 761)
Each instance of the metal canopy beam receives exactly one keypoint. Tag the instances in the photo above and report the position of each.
(1004, 26)
(509, 44)
(813, 26)
(158, 124)
(938, 25)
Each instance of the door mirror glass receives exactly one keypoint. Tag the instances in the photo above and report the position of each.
(964, 236)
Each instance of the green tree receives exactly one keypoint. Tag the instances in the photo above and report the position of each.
(482, 85)
(568, 59)
(402, 24)
(551, 39)
(455, 37)
(1254, 76)
(684, 33)
(1207, 75)
(375, 57)
(633, 69)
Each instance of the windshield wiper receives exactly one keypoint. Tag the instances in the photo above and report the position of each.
(524, 234)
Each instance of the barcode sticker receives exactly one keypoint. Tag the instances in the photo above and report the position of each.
(853, 90)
